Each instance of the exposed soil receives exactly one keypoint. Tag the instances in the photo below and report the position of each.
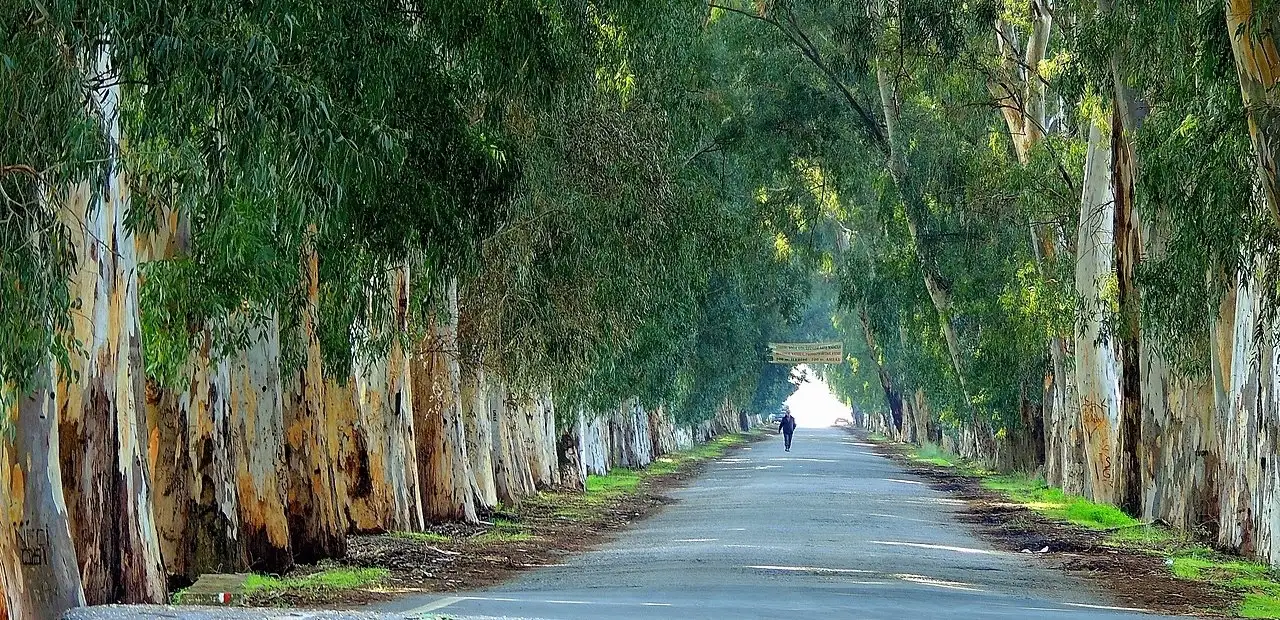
(469, 559)
(1131, 577)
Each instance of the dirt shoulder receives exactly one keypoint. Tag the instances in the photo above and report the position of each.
(541, 531)
(1132, 575)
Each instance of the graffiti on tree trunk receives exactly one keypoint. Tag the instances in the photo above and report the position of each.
(1098, 432)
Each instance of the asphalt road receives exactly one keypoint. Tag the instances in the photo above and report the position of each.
(828, 530)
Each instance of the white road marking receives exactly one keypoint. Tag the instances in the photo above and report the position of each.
(903, 481)
(813, 569)
(879, 514)
(938, 583)
(691, 540)
(788, 458)
(437, 604)
(1107, 607)
(939, 547)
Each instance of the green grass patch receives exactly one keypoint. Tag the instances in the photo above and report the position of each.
(425, 537)
(877, 437)
(933, 455)
(1148, 538)
(1257, 584)
(504, 531)
(326, 580)
(616, 482)
(1055, 504)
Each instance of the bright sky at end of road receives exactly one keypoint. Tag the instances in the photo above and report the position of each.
(813, 404)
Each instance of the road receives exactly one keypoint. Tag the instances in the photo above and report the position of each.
(829, 530)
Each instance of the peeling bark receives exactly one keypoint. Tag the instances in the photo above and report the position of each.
(595, 444)
(1249, 506)
(441, 439)
(316, 528)
(102, 417)
(537, 443)
(1097, 369)
(257, 417)
(479, 427)
(1258, 68)
(629, 430)
(573, 470)
(37, 557)
(377, 456)
(193, 461)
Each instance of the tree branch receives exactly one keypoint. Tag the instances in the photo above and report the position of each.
(810, 51)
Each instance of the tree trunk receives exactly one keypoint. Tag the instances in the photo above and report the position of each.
(1097, 369)
(1020, 94)
(1249, 507)
(102, 421)
(550, 437)
(504, 484)
(1258, 67)
(194, 472)
(893, 398)
(316, 528)
(37, 557)
(537, 443)
(595, 443)
(1127, 246)
(573, 470)
(378, 456)
(479, 426)
(441, 439)
(257, 412)
(518, 432)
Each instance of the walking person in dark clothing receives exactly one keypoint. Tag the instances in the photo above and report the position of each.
(788, 426)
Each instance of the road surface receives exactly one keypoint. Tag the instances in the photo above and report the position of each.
(828, 530)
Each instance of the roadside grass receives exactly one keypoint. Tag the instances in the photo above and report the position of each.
(1055, 504)
(621, 481)
(933, 455)
(504, 531)
(426, 537)
(325, 580)
(511, 525)
(1258, 585)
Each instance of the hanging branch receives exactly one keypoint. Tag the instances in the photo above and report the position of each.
(810, 51)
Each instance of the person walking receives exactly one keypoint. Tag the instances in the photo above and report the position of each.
(788, 426)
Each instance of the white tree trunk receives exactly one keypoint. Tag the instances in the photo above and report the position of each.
(1249, 500)
(443, 464)
(256, 411)
(37, 558)
(595, 444)
(1097, 368)
(102, 399)
(479, 425)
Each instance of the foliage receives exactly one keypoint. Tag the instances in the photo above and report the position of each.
(633, 197)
